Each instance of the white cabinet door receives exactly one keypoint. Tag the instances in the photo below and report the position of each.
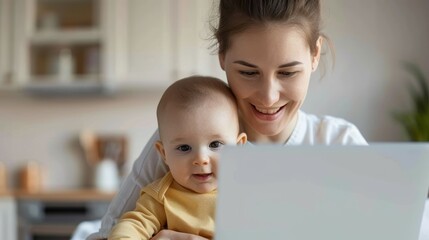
(150, 47)
(5, 42)
(55, 48)
(168, 40)
(8, 224)
(192, 42)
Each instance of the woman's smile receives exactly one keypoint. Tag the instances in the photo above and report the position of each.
(268, 114)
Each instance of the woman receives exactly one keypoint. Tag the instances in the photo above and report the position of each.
(268, 50)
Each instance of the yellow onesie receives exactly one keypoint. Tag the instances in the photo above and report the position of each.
(166, 204)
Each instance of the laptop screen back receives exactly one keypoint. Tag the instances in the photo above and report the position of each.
(320, 192)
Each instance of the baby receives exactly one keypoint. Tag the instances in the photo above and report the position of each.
(196, 116)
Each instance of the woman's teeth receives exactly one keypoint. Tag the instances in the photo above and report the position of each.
(267, 111)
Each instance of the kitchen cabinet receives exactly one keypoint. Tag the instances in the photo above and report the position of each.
(8, 221)
(5, 42)
(192, 41)
(167, 40)
(64, 44)
(107, 45)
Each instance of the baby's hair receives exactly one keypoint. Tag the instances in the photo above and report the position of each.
(188, 92)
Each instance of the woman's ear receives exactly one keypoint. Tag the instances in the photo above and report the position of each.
(316, 56)
(242, 139)
(221, 57)
(160, 148)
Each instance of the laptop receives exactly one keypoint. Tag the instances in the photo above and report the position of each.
(322, 192)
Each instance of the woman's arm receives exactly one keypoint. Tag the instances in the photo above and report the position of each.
(147, 168)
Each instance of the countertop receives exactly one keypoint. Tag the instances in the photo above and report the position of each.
(60, 195)
(4, 193)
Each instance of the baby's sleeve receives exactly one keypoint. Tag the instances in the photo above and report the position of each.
(147, 219)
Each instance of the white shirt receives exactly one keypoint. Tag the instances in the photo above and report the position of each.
(148, 167)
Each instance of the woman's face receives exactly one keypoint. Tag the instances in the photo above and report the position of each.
(268, 68)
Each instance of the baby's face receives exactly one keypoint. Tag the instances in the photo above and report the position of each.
(191, 140)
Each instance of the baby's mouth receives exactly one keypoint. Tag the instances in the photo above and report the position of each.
(202, 176)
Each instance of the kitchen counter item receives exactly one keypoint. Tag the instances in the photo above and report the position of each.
(65, 195)
(3, 178)
(98, 147)
(106, 176)
(88, 141)
(31, 177)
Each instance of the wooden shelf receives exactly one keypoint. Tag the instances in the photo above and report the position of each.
(66, 37)
(5, 193)
(53, 229)
(65, 195)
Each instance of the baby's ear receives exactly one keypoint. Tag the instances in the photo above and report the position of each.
(160, 148)
(242, 139)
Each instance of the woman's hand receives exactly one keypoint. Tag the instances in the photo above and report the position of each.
(166, 234)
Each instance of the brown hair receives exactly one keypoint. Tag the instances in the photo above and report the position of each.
(188, 92)
(238, 15)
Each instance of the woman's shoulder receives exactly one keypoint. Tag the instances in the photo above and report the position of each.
(149, 165)
(325, 130)
(326, 121)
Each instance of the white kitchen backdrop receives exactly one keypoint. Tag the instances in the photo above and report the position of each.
(367, 83)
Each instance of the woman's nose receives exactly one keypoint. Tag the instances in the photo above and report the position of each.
(269, 93)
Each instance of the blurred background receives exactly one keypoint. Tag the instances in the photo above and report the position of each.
(80, 79)
(72, 65)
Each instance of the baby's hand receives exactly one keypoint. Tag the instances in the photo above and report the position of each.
(173, 235)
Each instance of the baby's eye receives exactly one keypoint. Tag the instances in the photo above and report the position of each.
(249, 73)
(184, 148)
(215, 144)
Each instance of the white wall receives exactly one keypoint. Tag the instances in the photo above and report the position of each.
(368, 83)
(371, 37)
(46, 130)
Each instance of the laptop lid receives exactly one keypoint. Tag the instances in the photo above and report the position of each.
(322, 192)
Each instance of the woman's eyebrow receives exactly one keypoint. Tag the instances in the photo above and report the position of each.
(246, 63)
(290, 64)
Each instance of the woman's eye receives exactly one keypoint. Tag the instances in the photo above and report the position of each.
(216, 144)
(184, 148)
(287, 74)
(248, 73)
